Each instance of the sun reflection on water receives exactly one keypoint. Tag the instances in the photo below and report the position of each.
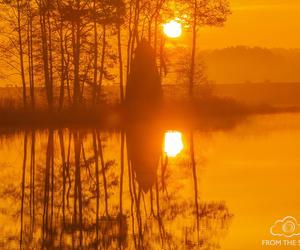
(173, 143)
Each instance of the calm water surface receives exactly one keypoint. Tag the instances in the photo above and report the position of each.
(148, 187)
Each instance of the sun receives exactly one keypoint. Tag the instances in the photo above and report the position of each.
(173, 144)
(173, 29)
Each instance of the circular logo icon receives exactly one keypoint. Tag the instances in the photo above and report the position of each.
(289, 227)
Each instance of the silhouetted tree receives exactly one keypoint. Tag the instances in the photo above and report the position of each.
(203, 12)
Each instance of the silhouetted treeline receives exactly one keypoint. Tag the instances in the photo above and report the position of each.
(78, 46)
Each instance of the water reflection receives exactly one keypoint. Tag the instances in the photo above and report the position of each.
(87, 189)
(144, 144)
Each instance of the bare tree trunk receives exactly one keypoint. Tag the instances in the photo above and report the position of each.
(129, 43)
(76, 55)
(67, 75)
(120, 63)
(62, 65)
(193, 55)
(162, 66)
(21, 53)
(102, 61)
(133, 34)
(30, 54)
(155, 34)
(155, 17)
(50, 61)
(150, 31)
(45, 52)
(136, 22)
(95, 58)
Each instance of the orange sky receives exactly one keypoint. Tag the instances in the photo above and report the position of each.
(264, 23)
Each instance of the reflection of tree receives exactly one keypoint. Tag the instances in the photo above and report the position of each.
(47, 226)
(193, 163)
(23, 187)
(63, 182)
(144, 145)
(208, 220)
(80, 200)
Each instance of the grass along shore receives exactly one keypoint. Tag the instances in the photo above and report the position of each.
(118, 115)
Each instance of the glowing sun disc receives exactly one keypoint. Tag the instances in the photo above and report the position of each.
(172, 29)
(173, 144)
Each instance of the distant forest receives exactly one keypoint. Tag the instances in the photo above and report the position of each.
(253, 65)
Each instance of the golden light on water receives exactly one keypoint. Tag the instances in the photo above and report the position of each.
(173, 144)
(173, 29)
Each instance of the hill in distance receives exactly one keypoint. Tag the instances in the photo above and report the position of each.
(252, 65)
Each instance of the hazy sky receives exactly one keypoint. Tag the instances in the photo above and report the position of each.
(266, 23)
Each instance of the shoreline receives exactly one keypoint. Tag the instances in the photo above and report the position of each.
(118, 116)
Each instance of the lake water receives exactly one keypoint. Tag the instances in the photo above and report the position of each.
(150, 187)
